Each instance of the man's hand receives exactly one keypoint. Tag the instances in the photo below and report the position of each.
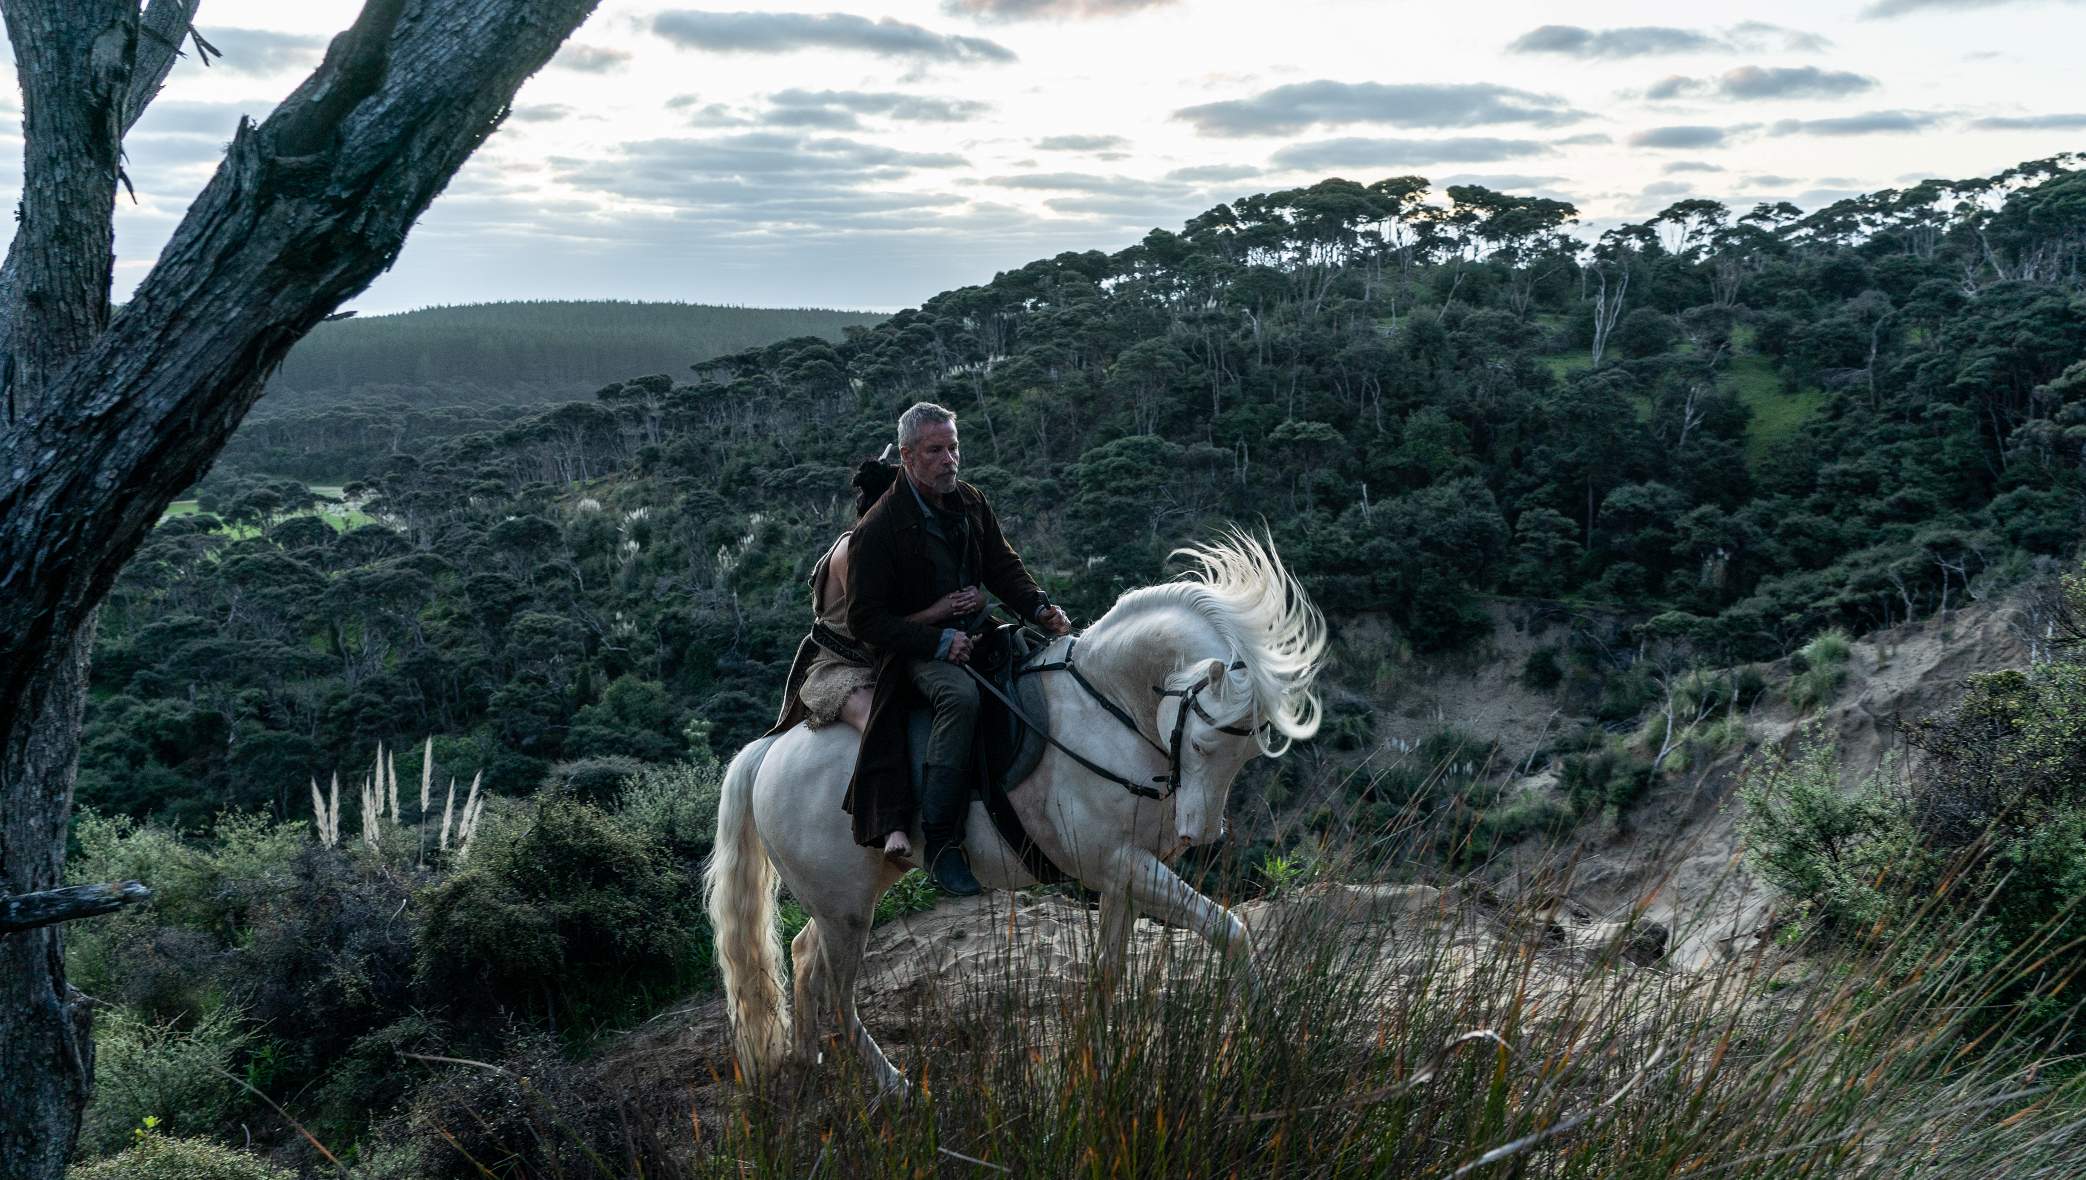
(959, 649)
(957, 603)
(1056, 621)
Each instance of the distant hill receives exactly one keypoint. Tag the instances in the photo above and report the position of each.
(530, 351)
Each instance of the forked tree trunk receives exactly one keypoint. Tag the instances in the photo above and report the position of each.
(107, 417)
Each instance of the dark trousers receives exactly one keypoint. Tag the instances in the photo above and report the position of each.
(954, 696)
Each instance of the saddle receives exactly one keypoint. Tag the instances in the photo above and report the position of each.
(1005, 749)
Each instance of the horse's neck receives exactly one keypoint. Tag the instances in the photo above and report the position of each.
(1125, 656)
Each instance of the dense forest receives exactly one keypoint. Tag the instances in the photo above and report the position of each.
(1737, 429)
(1721, 436)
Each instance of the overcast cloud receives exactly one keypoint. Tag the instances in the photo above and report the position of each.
(873, 154)
(1019, 10)
(1405, 153)
(788, 32)
(1300, 106)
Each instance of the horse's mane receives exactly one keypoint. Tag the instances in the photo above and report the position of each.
(1241, 588)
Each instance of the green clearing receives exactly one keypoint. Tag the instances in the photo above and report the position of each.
(1777, 414)
(340, 517)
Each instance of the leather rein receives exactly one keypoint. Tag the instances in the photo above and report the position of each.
(1172, 752)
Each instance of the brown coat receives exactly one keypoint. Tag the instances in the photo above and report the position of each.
(889, 577)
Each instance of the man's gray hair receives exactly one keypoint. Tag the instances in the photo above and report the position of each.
(915, 421)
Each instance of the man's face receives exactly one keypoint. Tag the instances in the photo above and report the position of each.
(932, 460)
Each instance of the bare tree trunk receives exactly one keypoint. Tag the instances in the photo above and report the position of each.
(107, 417)
(46, 1053)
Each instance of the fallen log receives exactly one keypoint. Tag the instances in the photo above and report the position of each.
(27, 911)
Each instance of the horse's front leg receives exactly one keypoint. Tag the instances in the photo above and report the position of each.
(1118, 913)
(1158, 891)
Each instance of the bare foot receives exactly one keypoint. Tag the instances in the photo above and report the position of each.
(896, 847)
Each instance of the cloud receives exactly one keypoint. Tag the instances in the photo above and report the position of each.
(1636, 41)
(214, 121)
(1081, 143)
(1590, 137)
(1757, 82)
(1890, 8)
(1661, 40)
(1400, 153)
(1684, 136)
(1872, 123)
(1692, 166)
(909, 108)
(788, 32)
(1300, 106)
(542, 112)
(2053, 122)
(1214, 173)
(1500, 181)
(1668, 188)
(590, 59)
(757, 166)
(1771, 181)
(1015, 10)
(262, 52)
(1756, 34)
(1117, 188)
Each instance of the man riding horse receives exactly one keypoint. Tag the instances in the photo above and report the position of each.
(930, 535)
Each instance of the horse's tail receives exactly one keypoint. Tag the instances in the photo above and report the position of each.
(739, 889)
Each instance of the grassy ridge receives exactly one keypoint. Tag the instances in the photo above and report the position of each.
(572, 347)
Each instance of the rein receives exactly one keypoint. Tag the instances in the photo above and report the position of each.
(1172, 777)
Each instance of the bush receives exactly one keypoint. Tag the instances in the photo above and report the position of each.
(181, 1078)
(568, 915)
(676, 804)
(154, 1156)
(596, 780)
(1823, 669)
(1541, 671)
(1606, 779)
(1830, 849)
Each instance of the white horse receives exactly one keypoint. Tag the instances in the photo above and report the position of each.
(1214, 668)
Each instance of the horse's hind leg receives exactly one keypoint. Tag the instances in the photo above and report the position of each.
(808, 969)
(842, 943)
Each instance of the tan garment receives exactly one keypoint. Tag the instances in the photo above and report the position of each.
(832, 677)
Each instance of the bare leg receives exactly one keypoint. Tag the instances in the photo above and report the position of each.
(855, 711)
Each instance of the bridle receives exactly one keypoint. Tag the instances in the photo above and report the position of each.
(1171, 751)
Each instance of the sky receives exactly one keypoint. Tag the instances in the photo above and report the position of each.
(870, 153)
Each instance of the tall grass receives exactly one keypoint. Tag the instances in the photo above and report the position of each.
(1402, 1031)
(1412, 1031)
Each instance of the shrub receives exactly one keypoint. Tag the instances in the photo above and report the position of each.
(568, 915)
(1823, 670)
(154, 1156)
(178, 1077)
(676, 804)
(1831, 849)
(1609, 778)
(1542, 672)
(596, 780)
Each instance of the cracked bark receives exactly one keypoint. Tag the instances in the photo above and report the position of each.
(108, 416)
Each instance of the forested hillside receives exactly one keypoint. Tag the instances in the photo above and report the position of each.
(1711, 437)
(1739, 427)
(357, 390)
(535, 350)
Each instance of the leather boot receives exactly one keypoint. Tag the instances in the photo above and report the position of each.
(945, 803)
